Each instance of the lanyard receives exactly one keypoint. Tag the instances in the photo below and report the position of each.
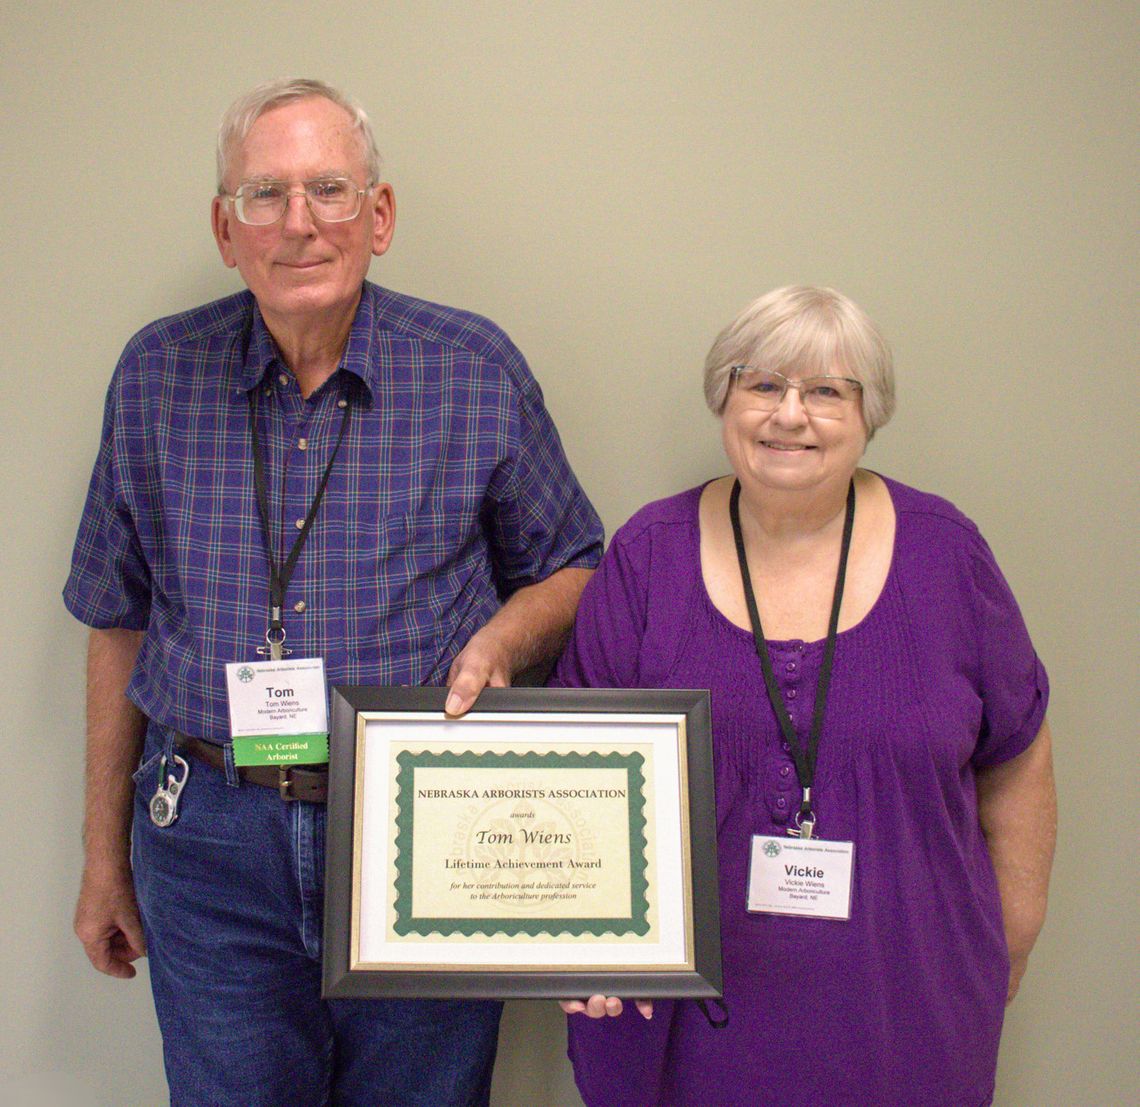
(281, 574)
(805, 759)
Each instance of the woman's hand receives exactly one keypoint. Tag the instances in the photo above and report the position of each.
(599, 1007)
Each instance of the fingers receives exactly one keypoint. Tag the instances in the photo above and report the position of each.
(465, 689)
(99, 954)
(470, 674)
(116, 958)
(112, 954)
(107, 924)
(133, 945)
(645, 1006)
(600, 1007)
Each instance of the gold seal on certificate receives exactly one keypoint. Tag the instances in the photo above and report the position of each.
(543, 845)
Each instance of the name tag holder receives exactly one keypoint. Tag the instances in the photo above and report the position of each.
(278, 712)
(790, 876)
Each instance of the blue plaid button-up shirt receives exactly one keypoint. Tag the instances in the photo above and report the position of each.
(451, 490)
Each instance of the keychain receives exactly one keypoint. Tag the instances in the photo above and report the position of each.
(164, 802)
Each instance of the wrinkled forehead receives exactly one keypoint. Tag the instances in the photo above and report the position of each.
(299, 140)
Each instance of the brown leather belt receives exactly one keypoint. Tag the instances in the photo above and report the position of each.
(293, 782)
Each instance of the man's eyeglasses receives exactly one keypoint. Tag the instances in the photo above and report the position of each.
(330, 199)
(823, 397)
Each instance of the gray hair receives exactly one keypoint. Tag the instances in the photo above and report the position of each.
(246, 110)
(815, 331)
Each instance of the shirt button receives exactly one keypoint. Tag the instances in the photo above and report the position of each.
(791, 666)
(781, 803)
(302, 443)
(791, 693)
(299, 607)
(785, 770)
(786, 746)
(283, 380)
(342, 402)
(299, 524)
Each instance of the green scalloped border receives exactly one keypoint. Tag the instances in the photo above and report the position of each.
(407, 923)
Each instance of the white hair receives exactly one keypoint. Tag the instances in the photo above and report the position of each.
(814, 332)
(247, 109)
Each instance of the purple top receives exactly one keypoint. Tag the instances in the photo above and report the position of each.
(450, 491)
(903, 1003)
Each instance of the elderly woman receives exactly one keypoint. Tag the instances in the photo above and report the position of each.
(874, 690)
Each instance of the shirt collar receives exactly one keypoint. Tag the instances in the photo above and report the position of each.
(359, 356)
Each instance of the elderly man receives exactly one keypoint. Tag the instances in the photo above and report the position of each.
(322, 468)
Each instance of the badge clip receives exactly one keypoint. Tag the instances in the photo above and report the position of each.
(274, 647)
(802, 830)
(805, 819)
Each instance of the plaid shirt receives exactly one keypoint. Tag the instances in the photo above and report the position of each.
(450, 491)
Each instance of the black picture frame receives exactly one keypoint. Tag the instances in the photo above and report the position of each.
(370, 718)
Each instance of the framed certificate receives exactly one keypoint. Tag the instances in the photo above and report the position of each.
(552, 843)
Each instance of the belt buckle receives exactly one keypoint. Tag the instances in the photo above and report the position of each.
(285, 783)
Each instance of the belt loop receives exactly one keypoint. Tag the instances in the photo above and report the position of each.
(232, 777)
(169, 738)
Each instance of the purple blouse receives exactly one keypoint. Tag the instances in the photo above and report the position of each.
(903, 1003)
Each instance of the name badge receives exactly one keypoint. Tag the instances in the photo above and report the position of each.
(792, 876)
(278, 711)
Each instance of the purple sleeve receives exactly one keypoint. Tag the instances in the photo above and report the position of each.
(604, 648)
(109, 583)
(1011, 679)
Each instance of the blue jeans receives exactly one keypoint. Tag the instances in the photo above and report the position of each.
(231, 897)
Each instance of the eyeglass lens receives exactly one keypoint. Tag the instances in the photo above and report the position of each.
(824, 396)
(332, 200)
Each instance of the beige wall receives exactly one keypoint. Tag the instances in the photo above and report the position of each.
(611, 182)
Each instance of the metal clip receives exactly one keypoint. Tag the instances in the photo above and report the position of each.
(805, 819)
(274, 647)
(803, 829)
(164, 803)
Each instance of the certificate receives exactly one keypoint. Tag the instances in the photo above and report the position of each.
(551, 843)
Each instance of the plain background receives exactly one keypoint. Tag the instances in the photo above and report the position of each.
(611, 183)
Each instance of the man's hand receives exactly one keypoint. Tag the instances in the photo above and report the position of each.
(482, 663)
(529, 628)
(107, 921)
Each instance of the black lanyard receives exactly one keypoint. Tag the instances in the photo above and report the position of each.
(281, 574)
(805, 758)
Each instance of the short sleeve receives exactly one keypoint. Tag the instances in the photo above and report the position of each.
(538, 518)
(109, 583)
(605, 645)
(1013, 684)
